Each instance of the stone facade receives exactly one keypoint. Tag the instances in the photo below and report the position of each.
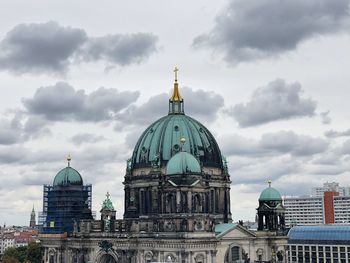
(177, 205)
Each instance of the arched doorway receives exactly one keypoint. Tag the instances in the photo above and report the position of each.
(107, 259)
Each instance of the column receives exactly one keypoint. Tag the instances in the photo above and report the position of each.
(178, 201)
(189, 201)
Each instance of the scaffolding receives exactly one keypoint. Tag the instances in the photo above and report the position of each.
(64, 206)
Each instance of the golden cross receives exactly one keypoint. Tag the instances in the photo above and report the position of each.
(176, 70)
(269, 182)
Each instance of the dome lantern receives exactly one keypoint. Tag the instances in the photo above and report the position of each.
(176, 102)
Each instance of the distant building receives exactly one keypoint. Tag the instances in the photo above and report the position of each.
(16, 237)
(321, 244)
(32, 222)
(330, 187)
(324, 206)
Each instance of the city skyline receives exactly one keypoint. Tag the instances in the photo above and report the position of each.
(89, 79)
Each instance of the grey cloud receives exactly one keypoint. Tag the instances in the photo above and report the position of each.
(120, 49)
(264, 169)
(35, 126)
(345, 149)
(40, 47)
(282, 142)
(289, 142)
(9, 132)
(52, 48)
(200, 104)
(62, 102)
(276, 101)
(335, 134)
(325, 117)
(82, 138)
(248, 30)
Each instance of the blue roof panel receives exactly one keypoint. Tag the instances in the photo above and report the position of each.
(322, 232)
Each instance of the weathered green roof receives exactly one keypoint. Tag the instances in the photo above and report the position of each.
(161, 140)
(183, 163)
(107, 204)
(270, 194)
(68, 176)
(221, 229)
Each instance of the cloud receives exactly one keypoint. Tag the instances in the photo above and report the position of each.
(36, 48)
(276, 101)
(248, 30)
(289, 142)
(120, 49)
(62, 102)
(335, 134)
(200, 104)
(325, 117)
(82, 138)
(272, 144)
(51, 48)
(9, 132)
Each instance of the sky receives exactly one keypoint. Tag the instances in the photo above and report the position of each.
(269, 78)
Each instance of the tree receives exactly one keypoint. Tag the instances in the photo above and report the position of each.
(34, 252)
(10, 259)
(12, 253)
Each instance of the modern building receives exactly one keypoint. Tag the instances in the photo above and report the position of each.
(66, 202)
(325, 206)
(330, 187)
(177, 206)
(319, 244)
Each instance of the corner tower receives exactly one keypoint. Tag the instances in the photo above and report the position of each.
(176, 179)
(271, 212)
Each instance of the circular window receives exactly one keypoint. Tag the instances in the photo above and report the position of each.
(176, 128)
(176, 147)
(144, 149)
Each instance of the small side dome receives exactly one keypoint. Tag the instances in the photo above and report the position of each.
(68, 176)
(183, 163)
(270, 194)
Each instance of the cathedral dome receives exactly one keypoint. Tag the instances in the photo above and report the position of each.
(68, 176)
(183, 163)
(161, 140)
(270, 194)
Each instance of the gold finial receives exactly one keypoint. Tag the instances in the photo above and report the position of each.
(183, 140)
(69, 158)
(108, 195)
(269, 182)
(176, 93)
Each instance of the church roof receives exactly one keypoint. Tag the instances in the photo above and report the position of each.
(68, 176)
(107, 203)
(270, 194)
(320, 233)
(183, 163)
(221, 229)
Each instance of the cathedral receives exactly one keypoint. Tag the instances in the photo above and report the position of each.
(177, 206)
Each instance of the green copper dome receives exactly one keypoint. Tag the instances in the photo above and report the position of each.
(183, 163)
(68, 176)
(270, 194)
(161, 140)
